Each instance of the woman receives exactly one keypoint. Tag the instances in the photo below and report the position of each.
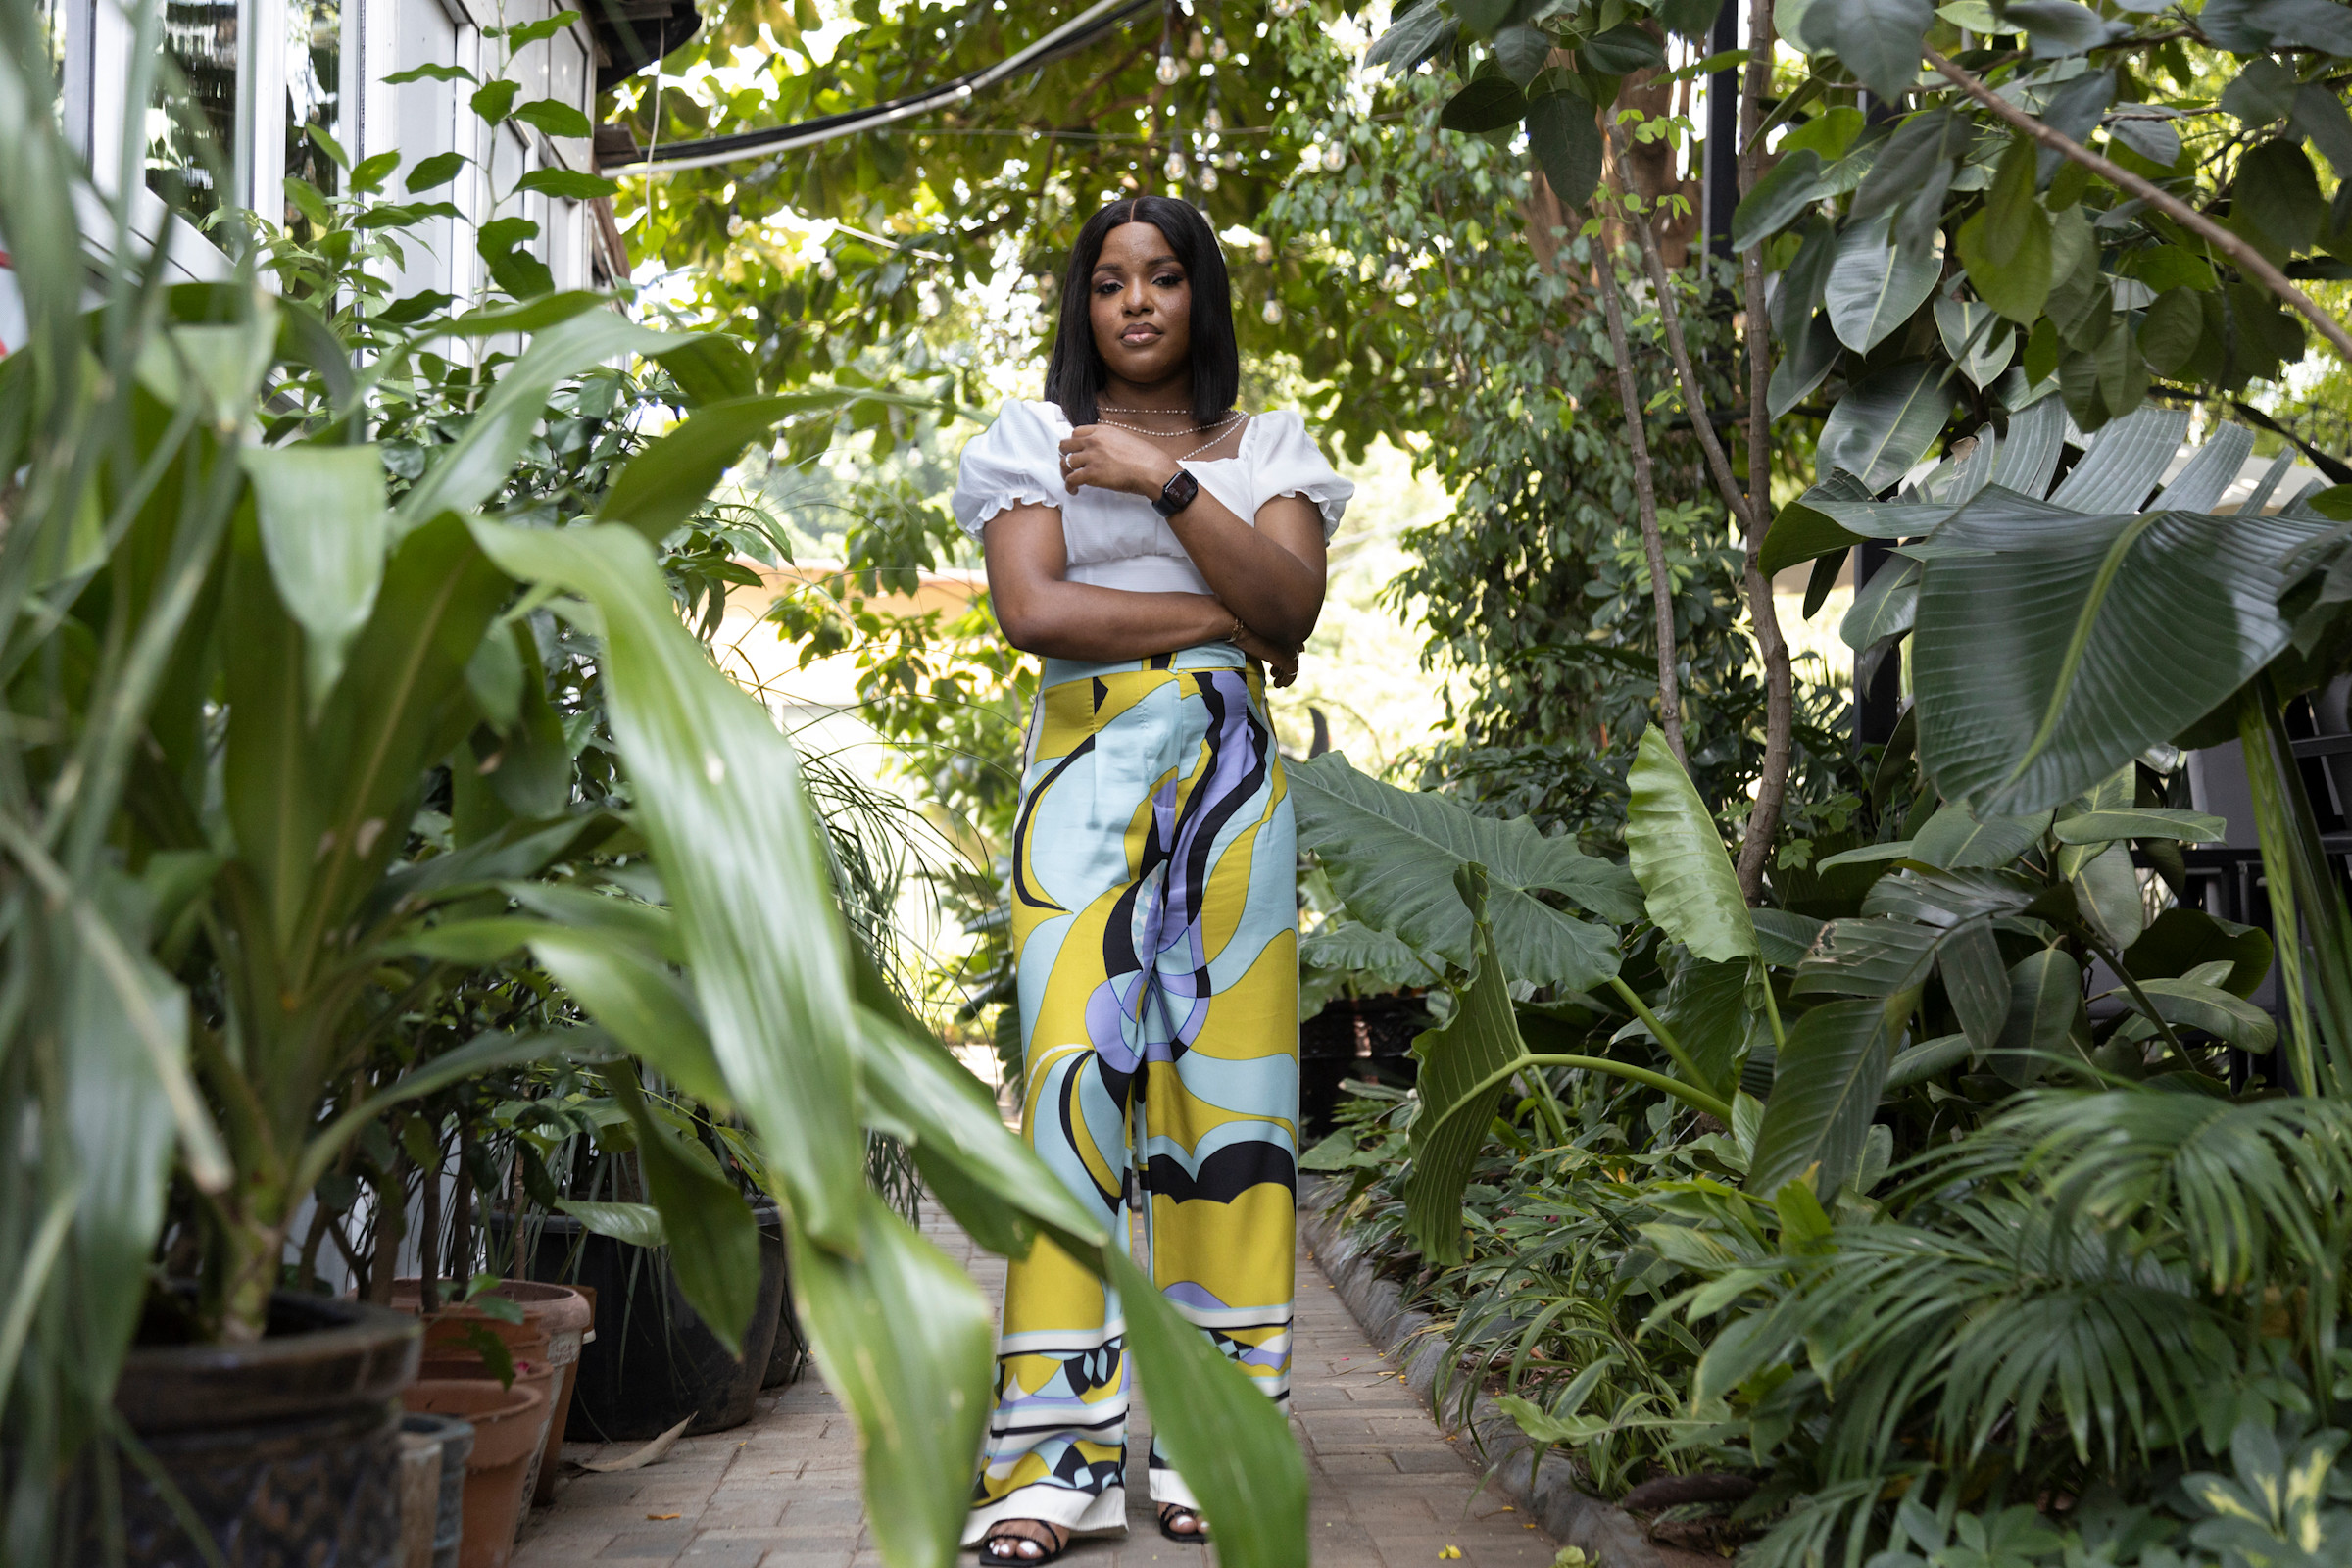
(1157, 547)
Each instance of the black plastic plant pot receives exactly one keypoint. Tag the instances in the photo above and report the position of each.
(1370, 1037)
(654, 1361)
(283, 1452)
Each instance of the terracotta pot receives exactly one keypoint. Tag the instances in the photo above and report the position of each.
(287, 1449)
(570, 1321)
(456, 1437)
(419, 1497)
(507, 1428)
(532, 1370)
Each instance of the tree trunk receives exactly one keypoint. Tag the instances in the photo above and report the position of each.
(1646, 500)
(1779, 692)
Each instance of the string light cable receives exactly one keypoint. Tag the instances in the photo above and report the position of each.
(1069, 38)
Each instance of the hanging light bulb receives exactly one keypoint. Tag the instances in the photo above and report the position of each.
(1273, 313)
(1169, 70)
(1212, 121)
(1264, 249)
(1195, 46)
(1174, 168)
(1216, 47)
(1209, 176)
(1335, 157)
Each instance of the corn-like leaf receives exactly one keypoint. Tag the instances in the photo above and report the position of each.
(1678, 856)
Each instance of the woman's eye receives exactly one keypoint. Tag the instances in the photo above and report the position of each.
(1170, 281)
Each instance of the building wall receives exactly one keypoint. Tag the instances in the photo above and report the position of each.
(260, 67)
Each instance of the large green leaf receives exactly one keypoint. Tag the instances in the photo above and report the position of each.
(635, 1224)
(1868, 958)
(1879, 40)
(1458, 1091)
(953, 1117)
(1802, 529)
(1353, 945)
(1392, 854)
(1883, 608)
(1976, 982)
(1875, 284)
(2125, 462)
(2050, 648)
(662, 486)
(719, 795)
(479, 462)
(1884, 423)
(1825, 1090)
(323, 528)
(1956, 839)
(2108, 895)
(907, 1344)
(1706, 1007)
(1228, 1440)
(1778, 199)
(1678, 857)
(1565, 141)
(2140, 822)
(2046, 995)
(2231, 1019)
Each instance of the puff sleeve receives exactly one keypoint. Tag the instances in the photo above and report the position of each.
(1289, 464)
(1015, 461)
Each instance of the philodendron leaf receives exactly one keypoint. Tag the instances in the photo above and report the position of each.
(2050, 649)
(1392, 854)
(660, 487)
(1230, 1441)
(716, 790)
(322, 525)
(1353, 945)
(1706, 1008)
(1976, 982)
(1678, 856)
(1480, 1039)
(907, 1344)
(1868, 958)
(1824, 1092)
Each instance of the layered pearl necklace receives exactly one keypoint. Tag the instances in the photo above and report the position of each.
(1223, 427)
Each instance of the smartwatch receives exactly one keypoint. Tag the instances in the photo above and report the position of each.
(1176, 495)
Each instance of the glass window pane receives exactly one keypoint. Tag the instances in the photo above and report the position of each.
(314, 95)
(200, 38)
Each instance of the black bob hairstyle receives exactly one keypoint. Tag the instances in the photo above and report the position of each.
(1075, 374)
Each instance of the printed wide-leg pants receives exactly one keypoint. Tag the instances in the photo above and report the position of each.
(1156, 930)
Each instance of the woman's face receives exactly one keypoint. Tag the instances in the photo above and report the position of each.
(1142, 306)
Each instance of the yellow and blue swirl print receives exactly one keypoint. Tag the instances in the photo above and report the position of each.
(1156, 930)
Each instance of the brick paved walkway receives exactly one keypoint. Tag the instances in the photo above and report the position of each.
(781, 1491)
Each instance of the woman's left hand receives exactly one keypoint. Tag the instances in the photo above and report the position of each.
(1114, 460)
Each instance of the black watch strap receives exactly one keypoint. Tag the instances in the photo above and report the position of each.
(1177, 494)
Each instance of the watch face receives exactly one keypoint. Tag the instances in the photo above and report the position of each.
(1177, 494)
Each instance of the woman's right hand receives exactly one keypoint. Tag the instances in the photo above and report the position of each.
(1281, 663)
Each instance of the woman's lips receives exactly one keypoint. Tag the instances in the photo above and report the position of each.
(1139, 334)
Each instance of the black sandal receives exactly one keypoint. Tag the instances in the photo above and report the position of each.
(1172, 1512)
(1048, 1549)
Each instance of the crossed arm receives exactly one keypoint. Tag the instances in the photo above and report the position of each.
(1265, 582)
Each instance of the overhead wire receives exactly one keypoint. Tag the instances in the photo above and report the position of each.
(1069, 38)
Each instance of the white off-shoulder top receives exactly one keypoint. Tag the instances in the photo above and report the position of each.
(1117, 540)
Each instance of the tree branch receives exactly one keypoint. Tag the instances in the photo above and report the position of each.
(1645, 499)
(1670, 317)
(2249, 260)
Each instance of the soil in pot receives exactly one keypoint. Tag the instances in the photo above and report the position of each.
(455, 1434)
(508, 1426)
(654, 1362)
(287, 1450)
